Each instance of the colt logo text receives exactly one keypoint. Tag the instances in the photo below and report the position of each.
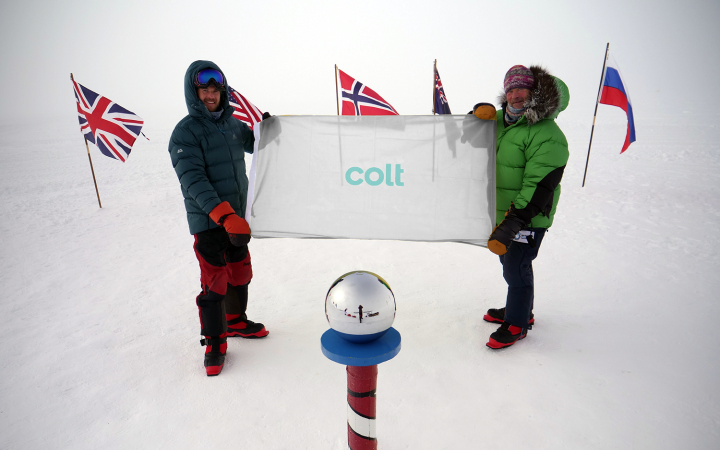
(374, 176)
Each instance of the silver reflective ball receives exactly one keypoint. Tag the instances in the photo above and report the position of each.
(360, 306)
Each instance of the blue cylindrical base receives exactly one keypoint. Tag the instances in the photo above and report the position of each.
(337, 349)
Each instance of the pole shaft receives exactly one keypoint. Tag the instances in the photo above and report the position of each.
(361, 387)
(337, 101)
(93, 171)
(90, 159)
(434, 70)
(337, 97)
(597, 100)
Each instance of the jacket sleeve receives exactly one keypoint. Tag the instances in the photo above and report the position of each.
(246, 135)
(546, 157)
(188, 161)
(248, 138)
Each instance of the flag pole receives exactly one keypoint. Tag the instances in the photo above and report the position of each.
(433, 111)
(597, 100)
(90, 159)
(337, 103)
(337, 97)
(434, 70)
(93, 171)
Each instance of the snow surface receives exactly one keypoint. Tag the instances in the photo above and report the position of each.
(100, 335)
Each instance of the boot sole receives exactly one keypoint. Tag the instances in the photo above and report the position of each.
(214, 371)
(495, 345)
(491, 319)
(256, 335)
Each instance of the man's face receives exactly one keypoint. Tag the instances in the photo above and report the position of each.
(210, 96)
(517, 97)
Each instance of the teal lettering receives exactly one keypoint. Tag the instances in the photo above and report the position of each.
(372, 170)
(388, 169)
(348, 176)
(398, 172)
(369, 178)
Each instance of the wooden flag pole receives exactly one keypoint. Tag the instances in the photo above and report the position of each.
(93, 171)
(337, 97)
(90, 159)
(597, 100)
(433, 100)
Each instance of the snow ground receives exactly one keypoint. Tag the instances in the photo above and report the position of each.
(100, 331)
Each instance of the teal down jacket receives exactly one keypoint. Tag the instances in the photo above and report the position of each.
(532, 153)
(208, 156)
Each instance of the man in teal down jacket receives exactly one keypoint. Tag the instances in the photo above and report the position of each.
(207, 151)
(531, 156)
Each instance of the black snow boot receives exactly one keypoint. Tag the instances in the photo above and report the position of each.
(239, 325)
(214, 353)
(498, 316)
(505, 336)
(236, 301)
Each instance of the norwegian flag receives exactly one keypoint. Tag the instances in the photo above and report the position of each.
(360, 100)
(244, 110)
(112, 128)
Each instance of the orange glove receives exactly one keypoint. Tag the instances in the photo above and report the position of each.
(237, 228)
(485, 111)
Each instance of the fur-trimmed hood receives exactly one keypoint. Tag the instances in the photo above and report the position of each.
(548, 97)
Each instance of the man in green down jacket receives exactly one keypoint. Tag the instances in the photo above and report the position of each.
(207, 150)
(531, 156)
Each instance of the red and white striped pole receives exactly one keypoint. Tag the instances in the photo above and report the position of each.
(360, 308)
(361, 386)
(362, 370)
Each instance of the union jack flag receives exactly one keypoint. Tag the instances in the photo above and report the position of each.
(441, 104)
(112, 128)
(360, 100)
(244, 110)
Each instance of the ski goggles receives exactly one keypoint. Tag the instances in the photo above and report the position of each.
(209, 76)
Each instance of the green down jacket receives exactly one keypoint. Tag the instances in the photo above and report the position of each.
(532, 153)
(208, 156)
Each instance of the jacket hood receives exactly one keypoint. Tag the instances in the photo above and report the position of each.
(548, 97)
(195, 107)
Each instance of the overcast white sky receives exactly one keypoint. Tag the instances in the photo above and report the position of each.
(281, 54)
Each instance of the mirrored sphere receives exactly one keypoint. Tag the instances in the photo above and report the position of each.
(360, 306)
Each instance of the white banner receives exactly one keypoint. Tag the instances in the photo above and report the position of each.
(412, 178)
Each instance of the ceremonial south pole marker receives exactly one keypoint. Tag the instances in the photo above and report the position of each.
(360, 308)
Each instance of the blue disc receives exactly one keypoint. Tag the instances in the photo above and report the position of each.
(337, 349)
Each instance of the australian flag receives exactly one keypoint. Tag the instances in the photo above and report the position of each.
(441, 105)
(244, 110)
(112, 128)
(360, 100)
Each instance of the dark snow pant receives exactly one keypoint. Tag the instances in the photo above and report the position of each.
(225, 271)
(518, 273)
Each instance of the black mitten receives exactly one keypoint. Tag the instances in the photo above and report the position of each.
(503, 234)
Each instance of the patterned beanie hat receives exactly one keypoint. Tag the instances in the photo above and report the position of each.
(518, 77)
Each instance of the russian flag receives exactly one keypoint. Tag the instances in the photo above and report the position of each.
(614, 92)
